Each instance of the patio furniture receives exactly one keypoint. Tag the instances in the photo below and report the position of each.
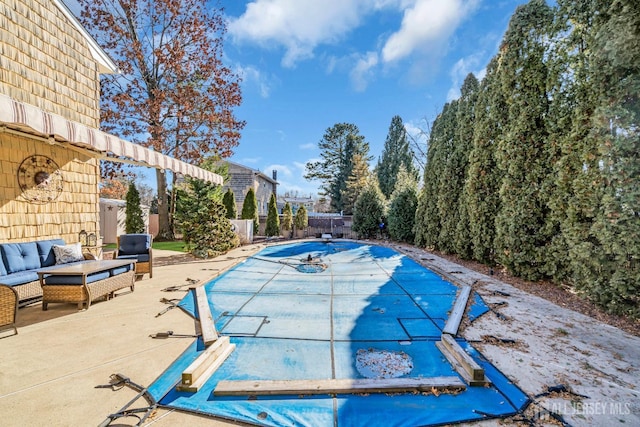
(19, 262)
(137, 247)
(8, 308)
(85, 282)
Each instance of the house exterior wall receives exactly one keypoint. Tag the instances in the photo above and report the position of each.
(75, 208)
(241, 179)
(45, 61)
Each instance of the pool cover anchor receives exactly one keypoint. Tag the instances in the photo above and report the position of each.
(118, 381)
(170, 334)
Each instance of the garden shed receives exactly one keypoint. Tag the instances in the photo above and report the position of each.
(113, 217)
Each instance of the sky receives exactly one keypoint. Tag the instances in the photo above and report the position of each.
(307, 65)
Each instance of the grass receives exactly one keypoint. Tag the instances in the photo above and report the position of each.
(177, 245)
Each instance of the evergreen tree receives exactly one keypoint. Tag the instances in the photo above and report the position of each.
(201, 217)
(463, 144)
(229, 202)
(605, 263)
(427, 221)
(134, 222)
(402, 207)
(301, 220)
(287, 219)
(397, 152)
(338, 147)
(250, 210)
(273, 219)
(480, 193)
(522, 235)
(369, 210)
(355, 183)
(447, 197)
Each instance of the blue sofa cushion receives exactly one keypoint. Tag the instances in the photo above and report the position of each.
(75, 280)
(45, 250)
(3, 269)
(19, 278)
(134, 244)
(139, 257)
(20, 256)
(120, 270)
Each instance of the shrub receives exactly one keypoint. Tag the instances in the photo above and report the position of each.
(229, 202)
(250, 210)
(134, 222)
(273, 220)
(287, 219)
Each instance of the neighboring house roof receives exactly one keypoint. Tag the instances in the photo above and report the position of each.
(296, 199)
(255, 171)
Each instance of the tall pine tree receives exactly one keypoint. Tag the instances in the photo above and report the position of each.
(338, 147)
(397, 152)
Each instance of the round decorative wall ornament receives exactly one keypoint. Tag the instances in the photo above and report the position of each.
(40, 179)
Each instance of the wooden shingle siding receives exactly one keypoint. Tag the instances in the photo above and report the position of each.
(46, 62)
(75, 209)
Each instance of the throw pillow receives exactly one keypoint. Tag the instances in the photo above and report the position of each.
(68, 253)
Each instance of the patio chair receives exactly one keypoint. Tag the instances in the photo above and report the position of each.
(8, 309)
(138, 247)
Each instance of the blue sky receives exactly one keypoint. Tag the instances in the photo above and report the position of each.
(309, 64)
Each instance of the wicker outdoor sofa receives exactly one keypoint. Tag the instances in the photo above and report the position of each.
(20, 283)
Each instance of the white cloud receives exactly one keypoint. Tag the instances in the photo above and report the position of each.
(252, 76)
(282, 170)
(362, 73)
(425, 25)
(460, 70)
(308, 146)
(297, 25)
(291, 179)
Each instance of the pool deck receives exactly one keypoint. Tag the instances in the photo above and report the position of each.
(50, 370)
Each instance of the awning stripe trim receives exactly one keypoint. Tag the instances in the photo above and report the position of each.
(47, 124)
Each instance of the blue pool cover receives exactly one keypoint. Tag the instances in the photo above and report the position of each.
(292, 323)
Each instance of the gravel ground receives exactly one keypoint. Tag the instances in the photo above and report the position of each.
(557, 294)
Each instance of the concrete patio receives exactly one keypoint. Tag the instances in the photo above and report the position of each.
(50, 370)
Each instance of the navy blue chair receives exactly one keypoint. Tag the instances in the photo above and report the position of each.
(138, 247)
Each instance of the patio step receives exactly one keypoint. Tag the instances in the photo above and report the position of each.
(464, 364)
(194, 377)
(337, 386)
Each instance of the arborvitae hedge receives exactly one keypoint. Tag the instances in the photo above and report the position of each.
(250, 210)
(402, 207)
(134, 222)
(369, 211)
(287, 219)
(552, 188)
(273, 219)
(229, 202)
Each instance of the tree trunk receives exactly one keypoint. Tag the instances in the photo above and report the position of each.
(164, 227)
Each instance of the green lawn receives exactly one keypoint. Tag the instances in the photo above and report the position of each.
(166, 246)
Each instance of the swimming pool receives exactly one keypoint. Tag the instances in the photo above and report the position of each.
(334, 310)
